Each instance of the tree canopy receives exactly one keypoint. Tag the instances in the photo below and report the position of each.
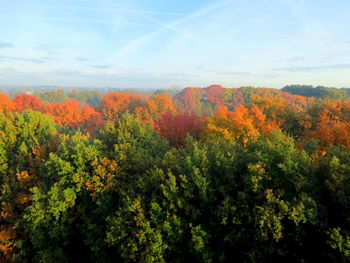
(210, 175)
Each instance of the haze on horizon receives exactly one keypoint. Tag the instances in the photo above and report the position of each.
(157, 44)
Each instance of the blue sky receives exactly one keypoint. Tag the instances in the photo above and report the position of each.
(159, 43)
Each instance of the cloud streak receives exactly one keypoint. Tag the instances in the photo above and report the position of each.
(102, 66)
(313, 68)
(6, 45)
(32, 60)
(229, 73)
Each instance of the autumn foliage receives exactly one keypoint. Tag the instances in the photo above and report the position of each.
(73, 114)
(154, 107)
(243, 124)
(28, 102)
(241, 114)
(328, 123)
(176, 127)
(6, 104)
(208, 175)
(115, 104)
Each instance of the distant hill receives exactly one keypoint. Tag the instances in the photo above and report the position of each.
(318, 92)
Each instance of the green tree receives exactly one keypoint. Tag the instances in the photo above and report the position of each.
(25, 140)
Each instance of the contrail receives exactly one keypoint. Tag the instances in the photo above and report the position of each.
(172, 26)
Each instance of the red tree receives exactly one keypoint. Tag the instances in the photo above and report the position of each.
(176, 127)
(189, 99)
(27, 102)
(91, 120)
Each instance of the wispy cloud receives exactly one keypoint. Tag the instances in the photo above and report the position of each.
(113, 72)
(229, 73)
(82, 59)
(33, 60)
(50, 50)
(102, 66)
(73, 73)
(26, 59)
(313, 68)
(175, 76)
(6, 45)
(242, 74)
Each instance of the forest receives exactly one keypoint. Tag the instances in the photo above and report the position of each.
(200, 175)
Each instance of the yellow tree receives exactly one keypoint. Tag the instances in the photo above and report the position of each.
(243, 124)
(154, 107)
(115, 104)
(6, 103)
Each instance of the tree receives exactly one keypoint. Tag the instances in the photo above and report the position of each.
(90, 97)
(189, 99)
(154, 107)
(177, 127)
(92, 121)
(243, 124)
(25, 141)
(28, 102)
(115, 104)
(222, 202)
(328, 122)
(56, 96)
(74, 115)
(84, 182)
(6, 104)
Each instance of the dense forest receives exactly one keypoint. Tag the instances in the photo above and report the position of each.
(202, 175)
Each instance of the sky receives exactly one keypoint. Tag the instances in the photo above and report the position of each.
(162, 44)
